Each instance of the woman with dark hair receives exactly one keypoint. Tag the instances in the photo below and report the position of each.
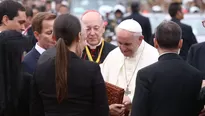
(64, 84)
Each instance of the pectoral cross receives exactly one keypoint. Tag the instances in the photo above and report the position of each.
(127, 91)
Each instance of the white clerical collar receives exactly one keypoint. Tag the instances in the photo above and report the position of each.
(39, 49)
(93, 47)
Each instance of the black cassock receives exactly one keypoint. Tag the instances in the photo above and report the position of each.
(95, 52)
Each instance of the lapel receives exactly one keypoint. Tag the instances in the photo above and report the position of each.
(36, 53)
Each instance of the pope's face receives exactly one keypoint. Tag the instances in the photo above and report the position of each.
(128, 43)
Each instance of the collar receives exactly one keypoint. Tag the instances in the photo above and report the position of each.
(39, 49)
(93, 47)
(26, 30)
(166, 53)
(169, 56)
(175, 19)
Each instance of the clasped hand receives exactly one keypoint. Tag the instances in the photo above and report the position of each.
(119, 109)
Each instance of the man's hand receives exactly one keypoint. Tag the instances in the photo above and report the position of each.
(117, 109)
(127, 102)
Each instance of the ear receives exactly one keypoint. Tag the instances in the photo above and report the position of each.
(5, 20)
(156, 45)
(180, 43)
(36, 34)
(141, 38)
(79, 37)
(178, 13)
(29, 18)
(103, 28)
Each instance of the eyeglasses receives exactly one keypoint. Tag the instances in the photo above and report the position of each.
(203, 23)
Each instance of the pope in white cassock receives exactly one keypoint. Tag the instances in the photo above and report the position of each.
(122, 64)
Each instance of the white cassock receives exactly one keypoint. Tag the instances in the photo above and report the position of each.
(121, 71)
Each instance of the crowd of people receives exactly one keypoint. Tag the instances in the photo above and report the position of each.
(58, 65)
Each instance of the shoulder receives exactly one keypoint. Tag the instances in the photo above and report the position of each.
(147, 72)
(144, 17)
(48, 54)
(151, 51)
(127, 17)
(186, 26)
(88, 65)
(110, 46)
(29, 55)
(115, 52)
(115, 56)
(198, 46)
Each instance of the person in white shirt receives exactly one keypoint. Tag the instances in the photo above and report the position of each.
(42, 26)
(122, 64)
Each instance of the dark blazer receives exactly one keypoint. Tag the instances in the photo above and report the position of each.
(196, 56)
(145, 24)
(169, 87)
(188, 38)
(12, 46)
(106, 50)
(86, 88)
(30, 61)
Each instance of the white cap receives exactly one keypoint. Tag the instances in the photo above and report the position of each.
(104, 9)
(130, 25)
(120, 7)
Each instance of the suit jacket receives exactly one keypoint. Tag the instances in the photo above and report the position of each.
(196, 56)
(169, 87)
(86, 88)
(12, 46)
(145, 24)
(30, 61)
(106, 50)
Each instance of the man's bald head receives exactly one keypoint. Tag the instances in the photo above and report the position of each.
(93, 26)
(92, 15)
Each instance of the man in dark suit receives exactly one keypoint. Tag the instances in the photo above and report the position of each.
(175, 11)
(143, 21)
(42, 25)
(169, 87)
(196, 56)
(12, 46)
(93, 28)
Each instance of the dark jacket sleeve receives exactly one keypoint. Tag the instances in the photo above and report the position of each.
(148, 31)
(36, 105)
(190, 56)
(99, 94)
(24, 99)
(193, 38)
(140, 100)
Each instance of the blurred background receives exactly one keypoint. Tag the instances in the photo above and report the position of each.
(111, 10)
